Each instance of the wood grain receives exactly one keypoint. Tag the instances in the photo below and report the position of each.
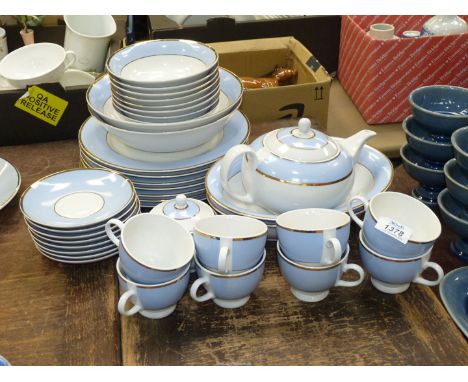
(52, 314)
(353, 326)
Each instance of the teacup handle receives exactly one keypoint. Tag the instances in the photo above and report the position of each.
(436, 267)
(111, 234)
(348, 284)
(194, 289)
(226, 164)
(225, 255)
(335, 244)
(358, 221)
(70, 58)
(123, 301)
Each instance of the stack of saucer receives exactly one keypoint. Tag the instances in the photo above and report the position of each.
(66, 213)
(453, 201)
(162, 116)
(438, 111)
(313, 252)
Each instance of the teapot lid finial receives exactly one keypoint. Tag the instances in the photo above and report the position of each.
(181, 202)
(304, 129)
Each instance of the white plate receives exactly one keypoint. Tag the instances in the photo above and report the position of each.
(99, 99)
(76, 198)
(162, 63)
(373, 174)
(10, 182)
(93, 140)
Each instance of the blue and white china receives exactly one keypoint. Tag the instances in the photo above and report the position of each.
(453, 292)
(410, 215)
(227, 290)
(373, 174)
(10, 181)
(434, 148)
(460, 145)
(430, 175)
(151, 301)
(455, 215)
(311, 282)
(76, 261)
(394, 275)
(76, 198)
(313, 235)
(441, 108)
(4, 361)
(297, 161)
(162, 63)
(152, 249)
(457, 181)
(443, 25)
(229, 243)
(186, 211)
(99, 99)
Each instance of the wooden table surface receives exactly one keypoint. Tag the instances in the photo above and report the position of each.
(57, 314)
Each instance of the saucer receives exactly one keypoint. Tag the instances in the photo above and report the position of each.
(373, 174)
(454, 293)
(10, 181)
(94, 143)
(76, 198)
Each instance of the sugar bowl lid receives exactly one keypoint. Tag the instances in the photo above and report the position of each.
(185, 210)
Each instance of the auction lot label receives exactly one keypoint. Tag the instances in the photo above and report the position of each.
(42, 105)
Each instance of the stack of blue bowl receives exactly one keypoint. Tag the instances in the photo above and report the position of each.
(438, 111)
(453, 201)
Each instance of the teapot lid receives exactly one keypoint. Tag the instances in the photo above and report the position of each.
(185, 210)
(302, 143)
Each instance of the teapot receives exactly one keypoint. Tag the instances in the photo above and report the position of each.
(295, 167)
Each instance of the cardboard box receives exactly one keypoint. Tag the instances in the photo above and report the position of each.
(379, 75)
(307, 98)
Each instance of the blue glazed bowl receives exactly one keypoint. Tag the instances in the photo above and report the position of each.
(457, 181)
(455, 216)
(430, 175)
(432, 147)
(460, 146)
(442, 108)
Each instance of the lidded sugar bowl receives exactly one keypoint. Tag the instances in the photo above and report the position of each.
(295, 167)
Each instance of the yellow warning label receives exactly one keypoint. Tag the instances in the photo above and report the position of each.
(42, 104)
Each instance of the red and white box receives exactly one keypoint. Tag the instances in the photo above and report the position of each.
(379, 75)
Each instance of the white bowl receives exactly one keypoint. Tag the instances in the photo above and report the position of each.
(169, 141)
(162, 63)
(168, 92)
(35, 64)
(100, 105)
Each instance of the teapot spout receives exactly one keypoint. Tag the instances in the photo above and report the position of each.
(353, 144)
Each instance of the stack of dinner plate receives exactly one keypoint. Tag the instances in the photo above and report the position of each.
(162, 115)
(66, 213)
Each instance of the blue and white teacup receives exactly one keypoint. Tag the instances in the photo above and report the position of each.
(405, 210)
(311, 282)
(392, 275)
(229, 243)
(227, 290)
(151, 301)
(313, 235)
(153, 249)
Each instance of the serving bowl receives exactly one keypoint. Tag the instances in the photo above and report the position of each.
(430, 175)
(455, 215)
(434, 148)
(162, 63)
(460, 145)
(441, 108)
(457, 181)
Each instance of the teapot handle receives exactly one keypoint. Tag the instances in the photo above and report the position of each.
(247, 177)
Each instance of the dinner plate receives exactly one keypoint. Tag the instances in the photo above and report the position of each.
(162, 63)
(93, 141)
(10, 182)
(454, 293)
(373, 174)
(76, 198)
(99, 99)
